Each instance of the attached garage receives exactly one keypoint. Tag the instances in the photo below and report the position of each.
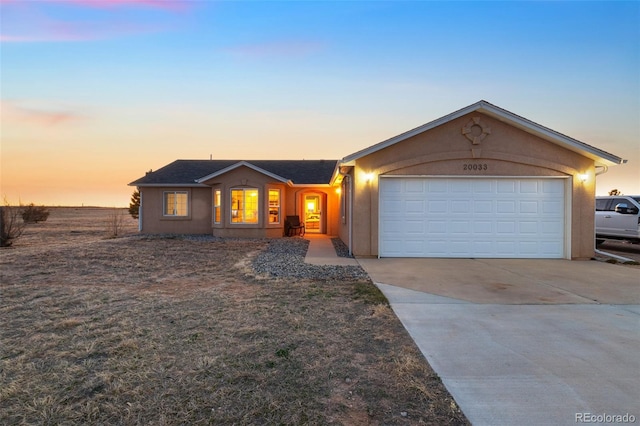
(480, 182)
(472, 217)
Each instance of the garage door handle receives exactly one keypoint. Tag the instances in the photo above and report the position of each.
(607, 217)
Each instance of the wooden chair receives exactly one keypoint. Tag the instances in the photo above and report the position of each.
(293, 226)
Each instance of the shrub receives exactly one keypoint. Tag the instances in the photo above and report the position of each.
(34, 214)
(134, 205)
(115, 223)
(10, 227)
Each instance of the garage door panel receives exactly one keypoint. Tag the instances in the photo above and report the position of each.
(392, 227)
(437, 206)
(415, 207)
(437, 226)
(390, 206)
(550, 227)
(414, 186)
(505, 207)
(506, 227)
(550, 248)
(483, 187)
(415, 227)
(460, 227)
(462, 186)
(394, 247)
(472, 217)
(552, 207)
(434, 186)
(529, 187)
(550, 186)
(460, 207)
(483, 227)
(482, 247)
(529, 227)
(483, 206)
(529, 207)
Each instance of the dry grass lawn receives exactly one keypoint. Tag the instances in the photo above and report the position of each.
(163, 331)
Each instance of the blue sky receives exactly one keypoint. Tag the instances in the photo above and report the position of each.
(107, 89)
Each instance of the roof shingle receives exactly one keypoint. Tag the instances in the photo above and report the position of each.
(186, 172)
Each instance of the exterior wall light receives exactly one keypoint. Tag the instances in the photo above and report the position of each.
(368, 177)
(583, 177)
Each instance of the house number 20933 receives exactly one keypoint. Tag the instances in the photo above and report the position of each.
(475, 166)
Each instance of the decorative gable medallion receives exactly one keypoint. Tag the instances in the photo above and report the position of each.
(476, 132)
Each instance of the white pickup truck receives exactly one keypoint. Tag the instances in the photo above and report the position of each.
(618, 218)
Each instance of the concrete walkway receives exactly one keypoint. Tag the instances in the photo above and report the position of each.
(322, 252)
(538, 342)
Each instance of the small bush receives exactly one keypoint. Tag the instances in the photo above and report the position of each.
(10, 226)
(34, 214)
(115, 223)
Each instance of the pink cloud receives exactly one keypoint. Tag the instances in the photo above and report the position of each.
(275, 49)
(161, 4)
(28, 22)
(12, 112)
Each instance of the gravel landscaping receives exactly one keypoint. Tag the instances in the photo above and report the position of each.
(285, 258)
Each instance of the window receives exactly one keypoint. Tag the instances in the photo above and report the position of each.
(615, 202)
(274, 206)
(175, 203)
(217, 200)
(601, 205)
(244, 206)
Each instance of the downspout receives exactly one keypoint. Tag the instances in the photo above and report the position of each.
(604, 170)
(349, 214)
(140, 212)
(351, 192)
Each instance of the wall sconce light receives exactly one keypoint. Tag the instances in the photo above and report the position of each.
(368, 177)
(583, 177)
(338, 191)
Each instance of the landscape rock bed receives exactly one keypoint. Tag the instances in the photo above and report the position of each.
(341, 248)
(285, 258)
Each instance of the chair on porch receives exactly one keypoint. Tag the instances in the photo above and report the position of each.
(293, 226)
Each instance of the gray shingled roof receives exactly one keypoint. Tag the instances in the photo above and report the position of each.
(186, 172)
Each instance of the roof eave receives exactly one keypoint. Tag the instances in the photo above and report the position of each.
(311, 185)
(169, 185)
(599, 156)
(596, 154)
(246, 164)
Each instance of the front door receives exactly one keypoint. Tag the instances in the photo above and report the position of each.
(312, 213)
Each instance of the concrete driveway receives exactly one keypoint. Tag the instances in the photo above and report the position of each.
(527, 342)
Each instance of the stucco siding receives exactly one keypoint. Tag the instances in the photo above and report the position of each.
(198, 220)
(446, 151)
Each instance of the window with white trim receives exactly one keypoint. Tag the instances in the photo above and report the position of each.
(274, 206)
(176, 203)
(244, 205)
(217, 201)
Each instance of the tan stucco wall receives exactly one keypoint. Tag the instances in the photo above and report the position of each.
(444, 150)
(197, 222)
(200, 220)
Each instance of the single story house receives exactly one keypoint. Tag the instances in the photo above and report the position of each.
(480, 182)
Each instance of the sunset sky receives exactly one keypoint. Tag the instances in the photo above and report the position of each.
(96, 92)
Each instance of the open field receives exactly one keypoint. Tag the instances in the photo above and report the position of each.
(149, 330)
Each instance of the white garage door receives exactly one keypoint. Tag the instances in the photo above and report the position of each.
(472, 217)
